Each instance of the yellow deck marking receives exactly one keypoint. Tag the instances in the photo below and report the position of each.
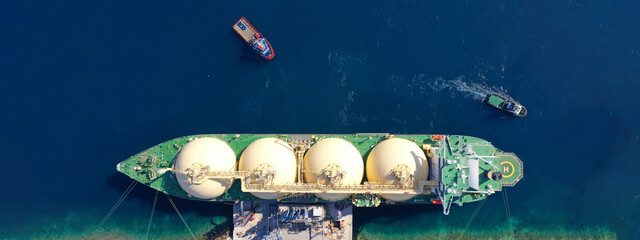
(506, 169)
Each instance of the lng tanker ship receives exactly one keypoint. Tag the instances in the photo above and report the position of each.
(294, 173)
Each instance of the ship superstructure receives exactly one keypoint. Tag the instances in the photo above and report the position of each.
(364, 170)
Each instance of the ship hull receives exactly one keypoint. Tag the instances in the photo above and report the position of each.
(248, 33)
(445, 154)
(499, 102)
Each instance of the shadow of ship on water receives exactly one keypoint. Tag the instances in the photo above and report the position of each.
(387, 214)
(146, 195)
(382, 214)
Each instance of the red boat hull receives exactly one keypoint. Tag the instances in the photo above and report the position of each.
(249, 33)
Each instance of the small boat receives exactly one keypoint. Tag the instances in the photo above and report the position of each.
(256, 40)
(506, 105)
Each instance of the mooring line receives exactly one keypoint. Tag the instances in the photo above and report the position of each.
(117, 204)
(153, 209)
(507, 208)
(180, 215)
(472, 217)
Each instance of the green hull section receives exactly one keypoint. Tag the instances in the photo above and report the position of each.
(458, 167)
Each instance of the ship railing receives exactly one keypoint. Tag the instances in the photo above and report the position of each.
(367, 187)
(320, 188)
(211, 174)
(229, 174)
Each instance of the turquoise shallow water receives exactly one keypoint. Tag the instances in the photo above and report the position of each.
(87, 84)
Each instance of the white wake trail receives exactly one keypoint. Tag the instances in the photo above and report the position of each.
(477, 91)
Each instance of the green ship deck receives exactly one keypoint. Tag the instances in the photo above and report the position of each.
(458, 167)
(494, 100)
(506, 105)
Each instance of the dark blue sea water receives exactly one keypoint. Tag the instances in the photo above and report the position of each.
(86, 84)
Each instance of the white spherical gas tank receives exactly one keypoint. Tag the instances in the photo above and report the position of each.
(333, 161)
(394, 159)
(269, 160)
(205, 152)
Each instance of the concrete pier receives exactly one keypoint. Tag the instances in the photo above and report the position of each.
(292, 221)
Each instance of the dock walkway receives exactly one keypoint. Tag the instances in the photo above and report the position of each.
(273, 220)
